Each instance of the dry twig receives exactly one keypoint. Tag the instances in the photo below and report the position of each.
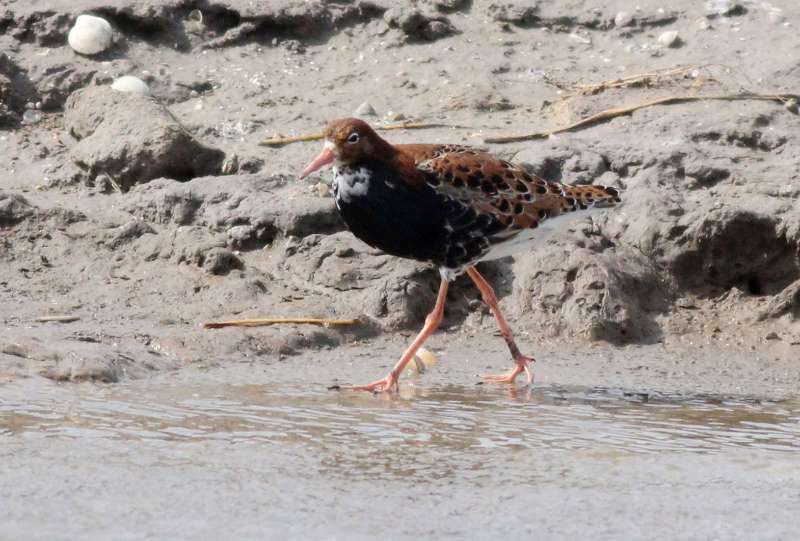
(645, 79)
(608, 114)
(57, 319)
(277, 321)
(281, 141)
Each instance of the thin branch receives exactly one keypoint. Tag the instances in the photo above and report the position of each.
(632, 80)
(58, 319)
(609, 114)
(281, 141)
(278, 321)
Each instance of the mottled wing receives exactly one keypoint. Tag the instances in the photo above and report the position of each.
(495, 200)
(423, 152)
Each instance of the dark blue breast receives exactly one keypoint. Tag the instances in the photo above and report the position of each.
(415, 222)
(394, 217)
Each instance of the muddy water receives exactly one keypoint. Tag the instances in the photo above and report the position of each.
(204, 459)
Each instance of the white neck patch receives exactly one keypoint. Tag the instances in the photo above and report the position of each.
(350, 183)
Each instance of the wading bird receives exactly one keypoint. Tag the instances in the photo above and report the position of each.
(448, 205)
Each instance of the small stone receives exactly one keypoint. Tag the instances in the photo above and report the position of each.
(239, 235)
(791, 105)
(129, 83)
(365, 109)
(772, 336)
(623, 18)
(230, 165)
(320, 189)
(686, 303)
(17, 350)
(194, 21)
(105, 184)
(90, 35)
(580, 39)
(220, 261)
(724, 8)
(417, 25)
(31, 116)
(669, 39)
(395, 117)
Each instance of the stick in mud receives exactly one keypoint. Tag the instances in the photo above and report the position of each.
(281, 141)
(608, 114)
(58, 319)
(261, 322)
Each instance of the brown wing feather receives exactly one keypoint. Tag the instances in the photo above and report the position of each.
(497, 187)
(423, 152)
(408, 157)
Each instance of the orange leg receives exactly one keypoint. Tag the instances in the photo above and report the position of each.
(390, 382)
(521, 360)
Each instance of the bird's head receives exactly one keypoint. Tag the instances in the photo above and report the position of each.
(347, 141)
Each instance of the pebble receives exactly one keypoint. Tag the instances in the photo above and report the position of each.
(17, 350)
(623, 18)
(772, 336)
(580, 39)
(669, 39)
(31, 116)
(365, 109)
(423, 360)
(395, 117)
(90, 35)
(703, 24)
(194, 21)
(320, 189)
(129, 83)
(230, 165)
(723, 7)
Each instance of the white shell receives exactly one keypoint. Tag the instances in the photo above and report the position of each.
(669, 39)
(90, 35)
(423, 360)
(129, 83)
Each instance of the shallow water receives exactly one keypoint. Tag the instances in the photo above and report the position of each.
(166, 459)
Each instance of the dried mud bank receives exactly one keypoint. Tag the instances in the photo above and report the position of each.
(145, 216)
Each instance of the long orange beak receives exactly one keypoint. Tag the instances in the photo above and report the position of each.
(325, 157)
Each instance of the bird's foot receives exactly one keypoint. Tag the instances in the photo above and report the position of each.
(388, 384)
(510, 377)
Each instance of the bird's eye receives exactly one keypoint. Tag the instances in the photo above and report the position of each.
(352, 138)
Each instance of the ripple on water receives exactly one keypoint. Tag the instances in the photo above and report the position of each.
(424, 425)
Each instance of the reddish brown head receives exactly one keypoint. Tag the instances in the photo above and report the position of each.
(348, 141)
